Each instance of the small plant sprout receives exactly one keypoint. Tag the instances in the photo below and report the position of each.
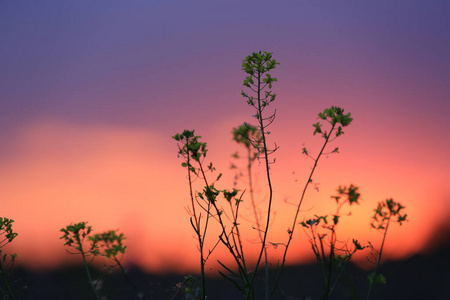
(74, 235)
(386, 212)
(332, 255)
(6, 261)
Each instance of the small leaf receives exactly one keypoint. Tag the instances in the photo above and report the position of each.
(317, 128)
(335, 219)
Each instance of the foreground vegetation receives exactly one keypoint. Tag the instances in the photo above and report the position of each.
(209, 204)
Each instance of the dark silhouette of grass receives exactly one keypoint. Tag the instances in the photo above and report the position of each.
(422, 276)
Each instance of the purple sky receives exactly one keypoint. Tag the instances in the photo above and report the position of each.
(145, 62)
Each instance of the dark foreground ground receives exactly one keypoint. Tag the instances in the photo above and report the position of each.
(424, 276)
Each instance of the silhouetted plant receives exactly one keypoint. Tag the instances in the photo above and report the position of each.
(335, 258)
(207, 201)
(6, 262)
(211, 204)
(259, 96)
(109, 244)
(74, 235)
(258, 79)
(207, 204)
(251, 138)
(257, 67)
(335, 263)
(336, 119)
(386, 212)
(192, 151)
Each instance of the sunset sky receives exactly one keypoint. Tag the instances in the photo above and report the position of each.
(92, 91)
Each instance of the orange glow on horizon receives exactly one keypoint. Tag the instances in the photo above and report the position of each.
(131, 180)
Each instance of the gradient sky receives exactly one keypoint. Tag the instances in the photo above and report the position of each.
(92, 91)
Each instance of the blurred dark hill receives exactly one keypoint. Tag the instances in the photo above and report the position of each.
(424, 276)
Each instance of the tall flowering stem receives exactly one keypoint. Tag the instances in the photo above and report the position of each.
(259, 81)
(193, 151)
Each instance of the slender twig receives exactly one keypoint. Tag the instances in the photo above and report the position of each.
(5, 280)
(291, 231)
(269, 206)
(200, 237)
(86, 268)
(375, 274)
(223, 236)
(127, 278)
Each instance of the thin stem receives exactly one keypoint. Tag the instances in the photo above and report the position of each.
(298, 210)
(338, 277)
(236, 225)
(224, 237)
(330, 266)
(86, 268)
(127, 278)
(261, 124)
(5, 280)
(197, 228)
(258, 226)
(375, 274)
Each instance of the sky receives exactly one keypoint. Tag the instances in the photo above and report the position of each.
(91, 93)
